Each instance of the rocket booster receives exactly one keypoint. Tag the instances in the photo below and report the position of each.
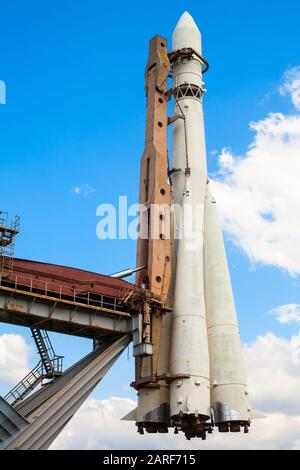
(229, 392)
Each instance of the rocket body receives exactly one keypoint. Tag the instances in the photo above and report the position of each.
(190, 388)
(200, 375)
(206, 356)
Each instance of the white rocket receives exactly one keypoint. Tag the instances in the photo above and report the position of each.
(200, 379)
(206, 352)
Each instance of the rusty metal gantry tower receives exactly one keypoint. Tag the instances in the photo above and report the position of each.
(8, 231)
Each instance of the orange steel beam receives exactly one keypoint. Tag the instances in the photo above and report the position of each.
(155, 253)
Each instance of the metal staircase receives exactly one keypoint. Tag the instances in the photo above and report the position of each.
(25, 386)
(49, 367)
(45, 350)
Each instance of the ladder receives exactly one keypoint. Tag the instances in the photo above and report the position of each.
(45, 349)
(49, 367)
(25, 386)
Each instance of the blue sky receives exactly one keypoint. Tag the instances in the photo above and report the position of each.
(75, 111)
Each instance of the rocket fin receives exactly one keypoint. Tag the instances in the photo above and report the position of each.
(131, 416)
(254, 414)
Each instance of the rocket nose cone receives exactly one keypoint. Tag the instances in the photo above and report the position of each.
(186, 34)
(186, 21)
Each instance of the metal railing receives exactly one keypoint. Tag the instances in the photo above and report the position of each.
(60, 292)
(33, 379)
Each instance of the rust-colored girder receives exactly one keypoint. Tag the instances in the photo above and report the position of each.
(155, 251)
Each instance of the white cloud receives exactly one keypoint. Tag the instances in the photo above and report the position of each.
(14, 358)
(226, 161)
(287, 314)
(97, 426)
(83, 190)
(274, 380)
(291, 85)
(258, 193)
(272, 365)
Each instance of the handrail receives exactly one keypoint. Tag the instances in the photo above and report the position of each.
(31, 380)
(60, 291)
